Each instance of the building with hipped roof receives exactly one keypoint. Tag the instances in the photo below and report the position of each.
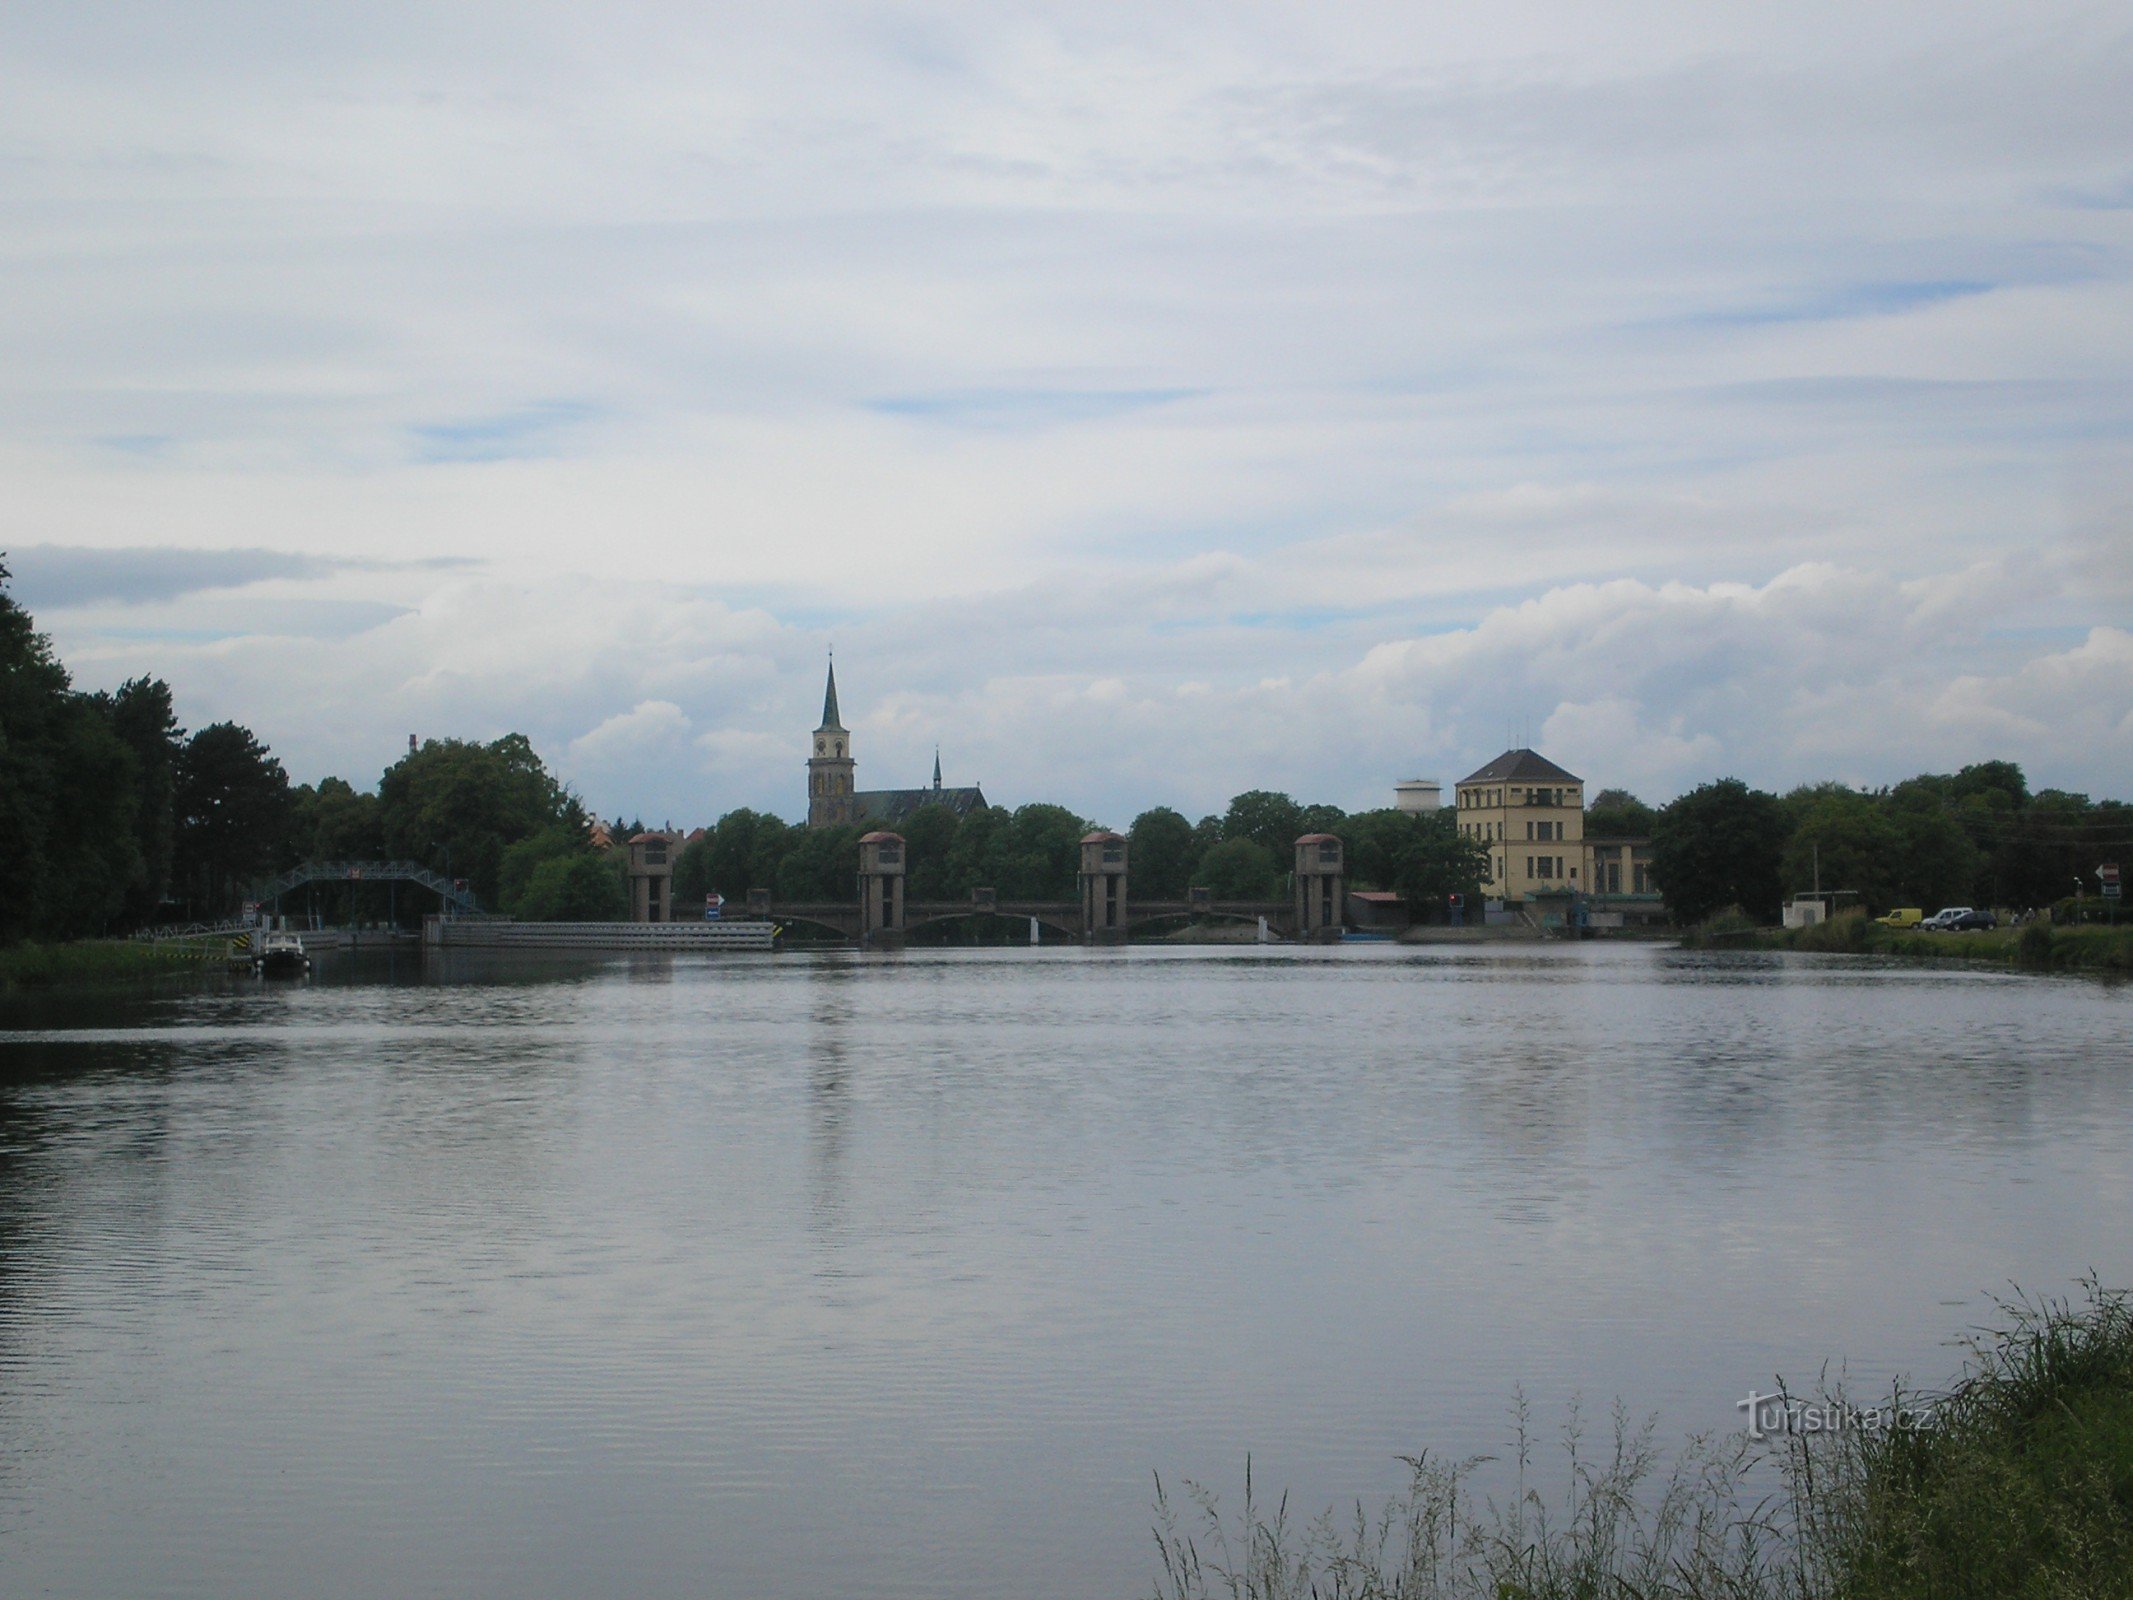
(1530, 815)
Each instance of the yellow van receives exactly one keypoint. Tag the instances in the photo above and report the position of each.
(1902, 917)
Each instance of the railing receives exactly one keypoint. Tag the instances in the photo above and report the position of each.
(371, 872)
(176, 931)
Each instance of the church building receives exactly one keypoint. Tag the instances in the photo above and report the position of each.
(831, 799)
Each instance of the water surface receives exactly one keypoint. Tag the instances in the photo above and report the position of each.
(811, 1275)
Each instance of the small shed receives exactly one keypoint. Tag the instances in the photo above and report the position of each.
(1377, 908)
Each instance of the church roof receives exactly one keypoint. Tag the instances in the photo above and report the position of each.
(1517, 765)
(829, 700)
(893, 805)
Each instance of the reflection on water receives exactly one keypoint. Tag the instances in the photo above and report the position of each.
(898, 1275)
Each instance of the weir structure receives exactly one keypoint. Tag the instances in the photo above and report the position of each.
(882, 914)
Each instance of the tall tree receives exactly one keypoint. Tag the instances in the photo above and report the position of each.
(456, 806)
(1618, 814)
(1720, 845)
(1161, 857)
(741, 852)
(33, 690)
(144, 718)
(1271, 821)
(1241, 869)
(1841, 839)
(929, 835)
(1038, 854)
(234, 811)
(1436, 863)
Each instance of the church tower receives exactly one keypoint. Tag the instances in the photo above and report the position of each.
(829, 769)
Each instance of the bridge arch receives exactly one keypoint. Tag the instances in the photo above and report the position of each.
(929, 917)
(447, 890)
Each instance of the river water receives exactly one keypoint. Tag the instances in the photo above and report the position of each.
(813, 1275)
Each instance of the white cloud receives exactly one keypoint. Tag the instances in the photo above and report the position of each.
(1150, 404)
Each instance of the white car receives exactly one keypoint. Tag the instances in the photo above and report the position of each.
(1943, 917)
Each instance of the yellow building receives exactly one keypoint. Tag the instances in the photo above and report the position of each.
(1530, 814)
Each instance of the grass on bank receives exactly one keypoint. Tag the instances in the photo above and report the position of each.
(2089, 947)
(2020, 1484)
(33, 963)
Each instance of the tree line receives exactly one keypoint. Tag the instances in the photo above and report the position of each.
(1974, 837)
(1033, 853)
(113, 817)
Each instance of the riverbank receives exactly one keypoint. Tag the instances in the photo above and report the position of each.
(2016, 1480)
(2085, 947)
(32, 964)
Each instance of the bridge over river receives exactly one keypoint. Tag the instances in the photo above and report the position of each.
(1065, 917)
(880, 913)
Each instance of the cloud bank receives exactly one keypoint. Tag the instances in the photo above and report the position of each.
(1146, 405)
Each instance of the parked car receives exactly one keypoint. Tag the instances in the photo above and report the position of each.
(1973, 919)
(1902, 917)
(1944, 919)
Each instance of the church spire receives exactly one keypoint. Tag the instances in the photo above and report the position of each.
(936, 769)
(829, 699)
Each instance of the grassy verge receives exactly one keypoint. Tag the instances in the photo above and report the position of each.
(33, 964)
(2083, 948)
(2018, 1482)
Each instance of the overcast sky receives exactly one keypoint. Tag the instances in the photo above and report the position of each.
(1147, 402)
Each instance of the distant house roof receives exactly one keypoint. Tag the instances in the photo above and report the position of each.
(880, 836)
(893, 805)
(1515, 765)
(1318, 838)
(1102, 836)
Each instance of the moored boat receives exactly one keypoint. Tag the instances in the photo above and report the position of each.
(281, 955)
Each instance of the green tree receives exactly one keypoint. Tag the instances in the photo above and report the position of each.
(1438, 863)
(1618, 814)
(578, 885)
(1318, 819)
(233, 815)
(740, 852)
(92, 856)
(822, 865)
(336, 822)
(973, 859)
(1160, 857)
(929, 835)
(1206, 834)
(1934, 863)
(145, 720)
(1720, 845)
(1038, 854)
(1373, 843)
(456, 806)
(33, 691)
(1844, 839)
(1271, 821)
(1241, 869)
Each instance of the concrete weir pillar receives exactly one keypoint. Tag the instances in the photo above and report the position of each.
(1319, 905)
(1103, 888)
(881, 888)
(651, 869)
